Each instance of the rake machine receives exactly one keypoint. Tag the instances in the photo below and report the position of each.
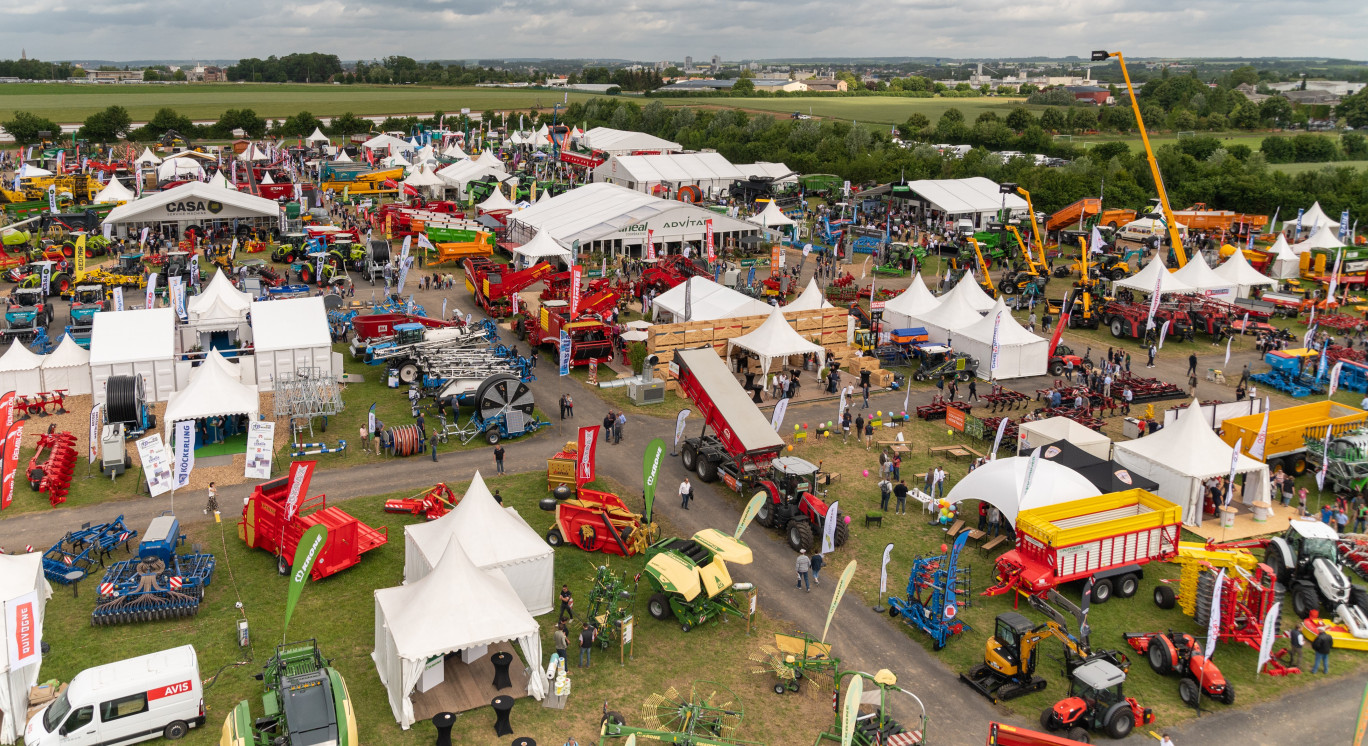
(433, 504)
(709, 715)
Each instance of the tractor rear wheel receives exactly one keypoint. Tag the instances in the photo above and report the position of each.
(1122, 722)
(1158, 654)
(1117, 329)
(659, 607)
(799, 533)
(1304, 601)
(1164, 597)
(765, 514)
(842, 529)
(1057, 367)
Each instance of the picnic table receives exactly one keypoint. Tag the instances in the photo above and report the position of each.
(957, 451)
(898, 446)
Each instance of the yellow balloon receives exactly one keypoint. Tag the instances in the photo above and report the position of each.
(949, 432)
(796, 428)
(790, 448)
(878, 413)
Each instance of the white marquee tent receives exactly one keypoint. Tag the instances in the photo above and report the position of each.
(1204, 279)
(1286, 264)
(20, 574)
(114, 192)
(708, 301)
(906, 309)
(342, 157)
(454, 151)
(67, 367)
(385, 142)
(543, 247)
(771, 218)
(1002, 484)
(1032, 435)
(494, 538)
(487, 158)
(1020, 353)
(221, 181)
(496, 202)
(288, 335)
(317, 136)
(148, 158)
(140, 342)
(172, 169)
(1237, 271)
(220, 307)
(811, 299)
(1314, 219)
(972, 293)
(1184, 454)
(1325, 237)
(775, 338)
(21, 370)
(1155, 272)
(211, 392)
(623, 142)
(455, 607)
(951, 315)
(217, 359)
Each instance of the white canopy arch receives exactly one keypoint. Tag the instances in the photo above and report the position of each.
(776, 339)
(1002, 484)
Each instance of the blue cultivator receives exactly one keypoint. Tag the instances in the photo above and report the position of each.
(934, 591)
(80, 551)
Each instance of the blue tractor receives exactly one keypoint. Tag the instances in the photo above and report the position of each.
(26, 314)
(160, 583)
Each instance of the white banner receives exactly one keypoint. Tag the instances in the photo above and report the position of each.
(780, 410)
(1163, 332)
(1227, 357)
(177, 289)
(96, 416)
(23, 630)
(1256, 449)
(993, 359)
(260, 444)
(883, 572)
(151, 290)
(195, 269)
(1334, 378)
(997, 442)
(840, 413)
(679, 425)
(1325, 460)
(829, 528)
(1154, 297)
(156, 464)
(1030, 472)
(1266, 642)
(185, 452)
(1214, 624)
(118, 299)
(1234, 463)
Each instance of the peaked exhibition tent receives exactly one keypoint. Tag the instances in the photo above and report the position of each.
(1204, 279)
(1285, 264)
(1106, 475)
(708, 301)
(543, 247)
(811, 299)
(67, 367)
(771, 217)
(454, 607)
(114, 192)
(1184, 454)
(1152, 273)
(488, 158)
(969, 289)
(1325, 237)
(21, 370)
(148, 158)
(1002, 484)
(20, 574)
(220, 307)
(317, 136)
(454, 151)
(496, 202)
(177, 168)
(951, 315)
(1237, 271)
(1314, 219)
(342, 157)
(384, 142)
(221, 181)
(493, 537)
(1020, 353)
(211, 392)
(266, 178)
(775, 339)
(1032, 435)
(907, 308)
(217, 359)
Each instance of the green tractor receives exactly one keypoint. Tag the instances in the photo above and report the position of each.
(305, 702)
(690, 578)
(899, 262)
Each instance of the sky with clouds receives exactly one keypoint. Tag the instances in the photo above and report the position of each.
(672, 29)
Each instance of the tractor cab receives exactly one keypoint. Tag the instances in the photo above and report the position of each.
(1099, 684)
(794, 477)
(130, 264)
(407, 334)
(26, 297)
(1097, 702)
(177, 264)
(1311, 540)
(86, 301)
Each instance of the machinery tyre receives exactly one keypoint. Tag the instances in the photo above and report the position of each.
(707, 470)
(1228, 696)
(1295, 465)
(554, 538)
(1117, 274)
(1274, 559)
(1164, 597)
(408, 373)
(1047, 720)
(842, 529)
(764, 515)
(1359, 597)
(176, 730)
(1080, 734)
(1122, 721)
(1188, 691)
(614, 717)
(780, 688)
(1102, 591)
(684, 627)
(1117, 329)
(1304, 601)
(1007, 287)
(1275, 464)
(688, 456)
(492, 436)
(1158, 655)
(964, 376)
(659, 607)
(919, 376)
(893, 611)
(1057, 367)
(35, 478)
(1127, 585)
(799, 534)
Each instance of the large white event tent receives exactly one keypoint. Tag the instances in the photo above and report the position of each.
(775, 338)
(21, 370)
(221, 307)
(1183, 455)
(1314, 219)
(20, 575)
(1020, 353)
(907, 308)
(67, 367)
(1032, 435)
(317, 136)
(136, 342)
(148, 158)
(1237, 271)
(461, 173)
(1154, 273)
(1325, 237)
(811, 299)
(772, 219)
(708, 301)
(494, 538)
(1204, 279)
(385, 142)
(289, 335)
(496, 202)
(1285, 264)
(1004, 485)
(179, 168)
(542, 247)
(455, 607)
(972, 293)
(211, 392)
(944, 322)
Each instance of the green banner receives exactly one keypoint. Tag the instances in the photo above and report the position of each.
(851, 714)
(748, 514)
(310, 546)
(841, 586)
(650, 471)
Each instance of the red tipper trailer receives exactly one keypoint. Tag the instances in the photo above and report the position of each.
(377, 325)
(1000, 734)
(743, 442)
(263, 526)
(1108, 538)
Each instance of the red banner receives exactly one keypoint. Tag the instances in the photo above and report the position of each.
(6, 411)
(1058, 332)
(13, 438)
(588, 441)
(23, 629)
(580, 160)
(301, 473)
(576, 277)
(712, 255)
(650, 245)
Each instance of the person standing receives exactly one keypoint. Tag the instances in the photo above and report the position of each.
(562, 406)
(562, 641)
(1295, 641)
(1152, 350)
(212, 506)
(940, 481)
(994, 519)
(1321, 647)
(804, 564)
(608, 420)
(1127, 396)
(1192, 384)
(618, 425)
(885, 492)
(900, 492)
(897, 465)
(586, 641)
(816, 564)
(1360, 514)
(567, 604)
(498, 458)
(685, 492)
(570, 406)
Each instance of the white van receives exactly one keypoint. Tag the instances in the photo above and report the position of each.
(125, 702)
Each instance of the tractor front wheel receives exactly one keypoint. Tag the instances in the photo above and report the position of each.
(842, 529)
(659, 607)
(1080, 734)
(1188, 692)
(554, 538)
(1048, 721)
(799, 533)
(688, 456)
(1228, 696)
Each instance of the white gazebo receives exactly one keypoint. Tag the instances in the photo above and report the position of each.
(288, 335)
(969, 289)
(114, 193)
(1314, 219)
(147, 158)
(221, 181)
(772, 219)
(1237, 271)
(454, 151)
(1152, 275)
(20, 576)
(1325, 237)
(316, 137)
(141, 342)
(342, 157)
(1204, 279)
(220, 310)
(21, 370)
(456, 607)
(543, 247)
(211, 392)
(811, 299)
(488, 158)
(1020, 353)
(776, 338)
(1032, 435)
(906, 309)
(1285, 264)
(952, 314)
(1004, 484)
(701, 299)
(67, 367)
(496, 202)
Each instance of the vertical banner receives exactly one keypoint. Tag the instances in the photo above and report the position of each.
(776, 258)
(588, 444)
(780, 410)
(841, 586)
(650, 472)
(14, 437)
(96, 416)
(1163, 332)
(151, 291)
(1320, 474)
(576, 278)
(6, 412)
(650, 246)
(883, 570)
(118, 299)
(850, 716)
(195, 268)
(1154, 296)
(177, 288)
(1334, 378)
(833, 515)
(565, 345)
(1030, 472)
(1234, 463)
(301, 473)
(997, 441)
(306, 554)
(748, 515)
(46, 278)
(23, 633)
(1214, 624)
(993, 358)
(679, 425)
(79, 257)
(185, 453)
(708, 232)
(260, 443)
(155, 464)
(1270, 624)
(1256, 449)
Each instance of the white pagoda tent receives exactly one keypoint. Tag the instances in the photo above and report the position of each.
(221, 181)
(811, 299)
(496, 202)
(1286, 264)
(454, 151)
(944, 322)
(148, 158)
(543, 247)
(906, 309)
(1204, 279)
(771, 218)
(1325, 237)
(317, 136)
(1020, 353)
(21, 370)
(1237, 271)
(1155, 273)
(114, 193)
(67, 367)
(776, 338)
(972, 293)
(1313, 220)
(342, 157)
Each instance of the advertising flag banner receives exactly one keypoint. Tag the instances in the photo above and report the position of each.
(997, 441)
(588, 443)
(78, 257)
(841, 586)
(1234, 462)
(156, 464)
(650, 472)
(829, 527)
(565, 344)
(151, 291)
(301, 473)
(1269, 634)
(576, 278)
(748, 515)
(1214, 625)
(1256, 449)
(1334, 378)
(993, 360)
(14, 437)
(185, 453)
(883, 571)
(1030, 471)
(780, 410)
(650, 245)
(1163, 332)
(708, 229)
(260, 440)
(96, 417)
(23, 632)
(850, 715)
(306, 554)
(679, 424)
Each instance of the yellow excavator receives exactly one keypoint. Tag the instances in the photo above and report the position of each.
(984, 280)
(1027, 279)
(1009, 656)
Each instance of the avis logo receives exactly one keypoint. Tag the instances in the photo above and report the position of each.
(170, 691)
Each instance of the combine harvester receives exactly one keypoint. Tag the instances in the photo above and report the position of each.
(159, 583)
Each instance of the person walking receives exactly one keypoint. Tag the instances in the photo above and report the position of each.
(817, 562)
(562, 641)
(869, 433)
(885, 492)
(1192, 364)
(685, 493)
(212, 505)
(567, 604)
(1321, 647)
(618, 425)
(900, 492)
(864, 388)
(1295, 641)
(1192, 384)
(586, 641)
(1152, 350)
(1127, 396)
(804, 564)
(973, 390)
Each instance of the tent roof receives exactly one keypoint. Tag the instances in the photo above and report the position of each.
(1201, 276)
(342, 157)
(68, 354)
(220, 304)
(1315, 217)
(463, 172)
(708, 301)
(488, 158)
(959, 196)
(915, 301)
(1002, 484)
(969, 289)
(454, 151)
(1189, 446)
(1281, 249)
(19, 574)
(148, 157)
(221, 181)
(780, 173)
(211, 392)
(172, 168)
(19, 357)
(770, 217)
(317, 136)
(676, 168)
(1236, 270)
(541, 246)
(811, 299)
(1324, 238)
(774, 338)
(217, 359)
(424, 178)
(593, 211)
(383, 141)
(1106, 476)
(1010, 331)
(953, 312)
(114, 191)
(489, 534)
(1062, 428)
(1144, 280)
(608, 139)
(193, 190)
(456, 606)
(132, 336)
(289, 324)
(495, 202)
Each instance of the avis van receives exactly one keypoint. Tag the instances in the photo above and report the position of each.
(125, 702)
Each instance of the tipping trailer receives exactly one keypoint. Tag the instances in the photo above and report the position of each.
(494, 284)
(267, 525)
(1289, 429)
(591, 339)
(742, 443)
(1108, 539)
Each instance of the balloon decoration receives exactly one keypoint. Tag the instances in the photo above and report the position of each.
(790, 448)
(866, 471)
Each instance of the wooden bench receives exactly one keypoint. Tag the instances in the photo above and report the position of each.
(996, 541)
(955, 529)
(873, 516)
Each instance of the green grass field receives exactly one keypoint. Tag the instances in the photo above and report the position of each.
(73, 103)
(1298, 168)
(871, 109)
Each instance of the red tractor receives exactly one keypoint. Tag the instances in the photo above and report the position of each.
(1177, 652)
(1096, 702)
(792, 504)
(1127, 320)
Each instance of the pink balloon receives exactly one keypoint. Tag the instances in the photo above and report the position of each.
(847, 519)
(866, 472)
